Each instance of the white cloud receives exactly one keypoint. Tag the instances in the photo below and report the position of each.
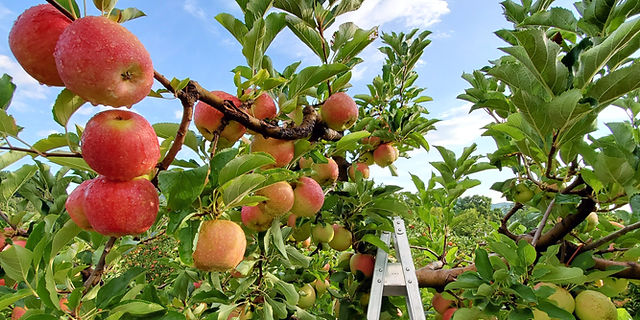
(46, 133)
(26, 85)
(458, 127)
(178, 114)
(411, 13)
(194, 9)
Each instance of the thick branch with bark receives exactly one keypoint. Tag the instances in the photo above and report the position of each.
(430, 278)
(96, 274)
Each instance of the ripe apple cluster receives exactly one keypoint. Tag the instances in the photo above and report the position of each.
(94, 57)
(121, 146)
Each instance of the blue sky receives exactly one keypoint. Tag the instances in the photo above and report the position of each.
(184, 40)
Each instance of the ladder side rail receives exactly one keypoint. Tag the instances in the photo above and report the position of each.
(377, 282)
(403, 252)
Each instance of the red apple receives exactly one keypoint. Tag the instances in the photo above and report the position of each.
(197, 284)
(291, 220)
(118, 208)
(17, 242)
(440, 303)
(255, 219)
(323, 173)
(341, 238)
(448, 315)
(263, 107)
(2, 282)
(321, 286)
(120, 145)
(281, 150)
(75, 206)
(17, 313)
(33, 39)
(208, 119)
(360, 166)
(385, 154)
(339, 111)
(362, 263)
(322, 233)
(280, 201)
(370, 142)
(308, 197)
(104, 63)
(220, 247)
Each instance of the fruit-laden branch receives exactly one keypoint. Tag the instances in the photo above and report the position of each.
(45, 154)
(612, 236)
(430, 278)
(95, 276)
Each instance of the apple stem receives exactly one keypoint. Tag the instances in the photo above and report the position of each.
(96, 274)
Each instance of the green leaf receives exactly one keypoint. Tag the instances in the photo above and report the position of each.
(7, 88)
(527, 253)
(296, 258)
(70, 5)
(274, 23)
(10, 298)
(616, 84)
(8, 124)
(127, 14)
(73, 163)
(351, 140)
(559, 274)
(14, 180)
(594, 59)
(168, 130)
(238, 188)
(63, 236)
(554, 312)
(253, 45)
(483, 265)
(137, 307)
(560, 18)
(182, 187)
(307, 35)
(243, 164)
(288, 290)
(276, 235)
(10, 157)
(314, 75)
(66, 104)
(55, 140)
(361, 39)
(372, 239)
(233, 25)
(115, 288)
(16, 262)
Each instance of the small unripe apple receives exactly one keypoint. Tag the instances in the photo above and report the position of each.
(324, 173)
(522, 193)
(341, 238)
(280, 201)
(322, 233)
(255, 219)
(307, 296)
(321, 286)
(308, 197)
(75, 206)
(220, 247)
(592, 221)
(367, 158)
(363, 263)
(118, 208)
(33, 39)
(385, 154)
(339, 111)
(561, 297)
(281, 150)
(104, 63)
(360, 166)
(593, 305)
(302, 232)
(120, 145)
(344, 260)
(208, 119)
(371, 141)
(540, 315)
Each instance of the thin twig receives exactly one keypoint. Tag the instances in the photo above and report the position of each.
(99, 269)
(424, 249)
(543, 222)
(612, 236)
(504, 228)
(45, 154)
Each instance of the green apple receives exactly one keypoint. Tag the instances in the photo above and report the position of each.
(522, 193)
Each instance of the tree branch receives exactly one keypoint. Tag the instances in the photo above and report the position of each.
(44, 154)
(95, 276)
(543, 222)
(612, 236)
(438, 279)
(504, 229)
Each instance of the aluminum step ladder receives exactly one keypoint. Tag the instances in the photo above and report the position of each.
(395, 279)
